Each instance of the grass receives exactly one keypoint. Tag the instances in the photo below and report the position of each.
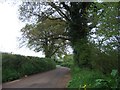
(84, 78)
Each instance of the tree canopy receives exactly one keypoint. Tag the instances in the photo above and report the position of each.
(49, 36)
(86, 21)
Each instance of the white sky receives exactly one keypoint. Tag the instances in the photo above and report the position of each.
(10, 27)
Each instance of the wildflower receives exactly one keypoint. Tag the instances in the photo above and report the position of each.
(84, 87)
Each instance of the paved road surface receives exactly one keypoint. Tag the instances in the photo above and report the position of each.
(57, 78)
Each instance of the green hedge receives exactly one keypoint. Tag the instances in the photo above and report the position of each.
(17, 66)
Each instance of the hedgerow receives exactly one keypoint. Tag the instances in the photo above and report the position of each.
(17, 66)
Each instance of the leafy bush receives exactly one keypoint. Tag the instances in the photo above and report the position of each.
(87, 78)
(9, 74)
(83, 77)
(103, 61)
(112, 81)
(67, 61)
(17, 66)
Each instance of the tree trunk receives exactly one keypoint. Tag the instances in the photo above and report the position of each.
(81, 52)
(78, 34)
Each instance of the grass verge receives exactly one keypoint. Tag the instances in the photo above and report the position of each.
(84, 78)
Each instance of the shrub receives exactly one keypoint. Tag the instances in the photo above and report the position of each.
(9, 74)
(67, 61)
(83, 77)
(87, 78)
(105, 62)
(112, 81)
(17, 66)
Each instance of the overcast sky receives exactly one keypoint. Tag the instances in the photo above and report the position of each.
(10, 27)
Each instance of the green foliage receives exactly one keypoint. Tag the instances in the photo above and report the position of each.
(114, 73)
(48, 36)
(9, 74)
(112, 82)
(101, 83)
(67, 61)
(82, 53)
(115, 79)
(17, 66)
(104, 55)
(75, 16)
(86, 78)
(107, 28)
(78, 31)
(103, 17)
(83, 77)
(103, 61)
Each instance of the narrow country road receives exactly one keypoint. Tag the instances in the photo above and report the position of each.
(57, 78)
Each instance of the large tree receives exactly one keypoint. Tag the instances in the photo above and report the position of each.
(73, 13)
(107, 31)
(106, 35)
(49, 36)
(81, 18)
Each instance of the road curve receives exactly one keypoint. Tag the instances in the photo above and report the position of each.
(57, 78)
